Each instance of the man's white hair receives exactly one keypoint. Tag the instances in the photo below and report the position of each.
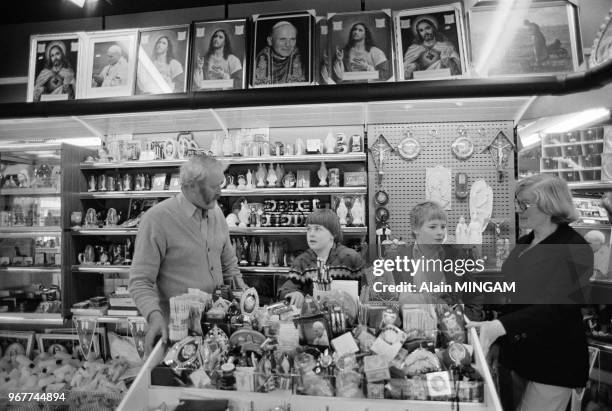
(198, 168)
(283, 23)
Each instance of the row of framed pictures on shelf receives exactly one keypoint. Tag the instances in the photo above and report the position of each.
(299, 48)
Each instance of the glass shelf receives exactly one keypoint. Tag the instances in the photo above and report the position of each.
(31, 318)
(287, 230)
(30, 269)
(42, 191)
(591, 185)
(104, 231)
(19, 232)
(231, 193)
(125, 269)
(307, 158)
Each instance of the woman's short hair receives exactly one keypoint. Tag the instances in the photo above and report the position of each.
(424, 212)
(328, 219)
(198, 168)
(552, 196)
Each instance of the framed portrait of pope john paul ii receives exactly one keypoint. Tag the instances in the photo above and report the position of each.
(360, 46)
(283, 50)
(430, 43)
(218, 56)
(162, 60)
(110, 64)
(542, 38)
(54, 65)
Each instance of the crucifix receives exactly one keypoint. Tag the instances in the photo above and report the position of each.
(379, 150)
(499, 149)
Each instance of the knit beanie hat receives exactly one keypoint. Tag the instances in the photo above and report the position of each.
(328, 219)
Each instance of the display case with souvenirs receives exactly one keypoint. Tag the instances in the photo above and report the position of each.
(32, 216)
(231, 352)
(276, 177)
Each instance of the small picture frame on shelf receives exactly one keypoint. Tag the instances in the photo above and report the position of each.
(159, 182)
(54, 66)
(162, 60)
(598, 236)
(218, 53)
(430, 43)
(175, 182)
(288, 36)
(110, 64)
(67, 343)
(314, 330)
(361, 46)
(14, 343)
(546, 39)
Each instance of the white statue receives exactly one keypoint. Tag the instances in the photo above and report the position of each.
(280, 173)
(244, 214)
(322, 174)
(330, 143)
(271, 176)
(461, 232)
(475, 232)
(261, 176)
(358, 212)
(232, 220)
(342, 211)
(249, 180)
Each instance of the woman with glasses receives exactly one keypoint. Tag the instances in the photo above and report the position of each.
(325, 259)
(540, 332)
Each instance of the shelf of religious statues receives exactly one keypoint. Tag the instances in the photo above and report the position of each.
(306, 158)
(288, 230)
(281, 191)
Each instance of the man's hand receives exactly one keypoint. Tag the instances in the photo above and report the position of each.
(157, 325)
(296, 298)
(489, 332)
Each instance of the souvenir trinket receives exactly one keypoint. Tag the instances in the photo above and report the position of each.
(185, 354)
(499, 149)
(409, 148)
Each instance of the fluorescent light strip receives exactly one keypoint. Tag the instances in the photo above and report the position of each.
(579, 119)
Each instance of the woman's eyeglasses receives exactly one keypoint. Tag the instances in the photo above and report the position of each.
(521, 205)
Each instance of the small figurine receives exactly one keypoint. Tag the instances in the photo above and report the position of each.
(461, 232)
(330, 143)
(342, 212)
(249, 180)
(261, 176)
(271, 176)
(358, 213)
(244, 214)
(280, 172)
(300, 147)
(230, 183)
(242, 182)
(322, 174)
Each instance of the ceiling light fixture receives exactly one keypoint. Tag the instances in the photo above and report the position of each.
(80, 3)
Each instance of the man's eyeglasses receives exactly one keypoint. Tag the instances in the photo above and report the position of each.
(521, 205)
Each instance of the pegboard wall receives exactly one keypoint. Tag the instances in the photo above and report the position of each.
(404, 180)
